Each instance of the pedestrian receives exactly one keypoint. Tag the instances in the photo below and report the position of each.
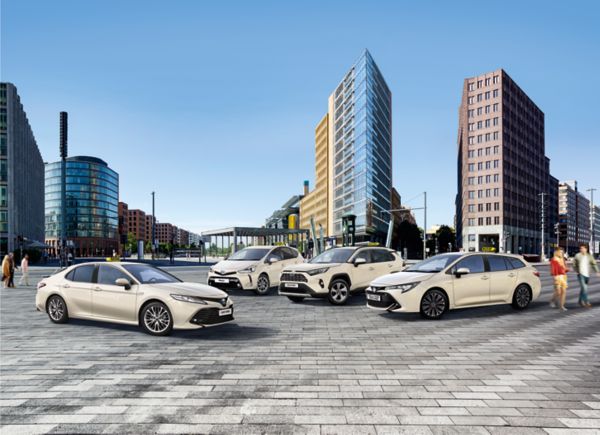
(11, 270)
(24, 270)
(583, 262)
(69, 259)
(5, 271)
(558, 269)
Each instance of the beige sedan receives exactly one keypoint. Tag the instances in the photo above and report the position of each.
(133, 294)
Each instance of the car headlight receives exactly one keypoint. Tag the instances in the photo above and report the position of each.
(403, 287)
(317, 271)
(211, 269)
(250, 269)
(192, 299)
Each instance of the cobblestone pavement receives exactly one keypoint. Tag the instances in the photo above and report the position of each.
(306, 368)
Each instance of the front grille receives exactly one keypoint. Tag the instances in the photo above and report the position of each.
(385, 302)
(233, 283)
(293, 277)
(223, 273)
(297, 291)
(210, 316)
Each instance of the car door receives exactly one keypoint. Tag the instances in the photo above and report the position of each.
(383, 261)
(362, 274)
(275, 269)
(502, 278)
(111, 301)
(474, 287)
(77, 289)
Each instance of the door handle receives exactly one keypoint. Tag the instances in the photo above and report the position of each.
(511, 275)
(97, 289)
(485, 277)
(66, 286)
(390, 265)
(371, 268)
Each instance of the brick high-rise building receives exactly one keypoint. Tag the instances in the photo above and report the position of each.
(137, 224)
(502, 169)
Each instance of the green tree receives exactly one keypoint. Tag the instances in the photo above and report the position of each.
(446, 239)
(408, 236)
(131, 243)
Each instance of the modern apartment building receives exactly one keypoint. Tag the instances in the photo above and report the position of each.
(166, 232)
(596, 229)
(137, 224)
(315, 204)
(574, 217)
(183, 237)
(504, 184)
(21, 176)
(354, 154)
(149, 221)
(92, 218)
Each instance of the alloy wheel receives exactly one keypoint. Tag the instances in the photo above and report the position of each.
(262, 285)
(157, 319)
(522, 296)
(433, 304)
(339, 291)
(56, 309)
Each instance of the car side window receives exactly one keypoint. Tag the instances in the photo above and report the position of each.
(516, 263)
(497, 263)
(108, 275)
(473, 262)
(288, 253)
(276, 253)
(365, 253)
(83, 273)
(381, 256)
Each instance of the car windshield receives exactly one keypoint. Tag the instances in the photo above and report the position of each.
(249, 254)
(149, 275)
(335, 255)
(434, 264)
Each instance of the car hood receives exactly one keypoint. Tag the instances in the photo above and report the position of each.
(232, 266)
(305, 267)
(190, 289)
(400, 278)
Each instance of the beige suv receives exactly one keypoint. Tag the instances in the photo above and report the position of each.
(337, 273)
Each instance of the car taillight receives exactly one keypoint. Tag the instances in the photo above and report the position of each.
(536, 273)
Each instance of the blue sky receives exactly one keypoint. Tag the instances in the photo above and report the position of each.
(213, 104)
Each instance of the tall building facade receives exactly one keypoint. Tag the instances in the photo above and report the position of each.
(355, 141)
(574, 217)
(315, 204)
(92, 218)
(505, 189)
(123, 211)
(21, 176)
(137, 224)
(595, 215)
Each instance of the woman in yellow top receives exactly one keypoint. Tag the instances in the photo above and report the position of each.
(5, 271)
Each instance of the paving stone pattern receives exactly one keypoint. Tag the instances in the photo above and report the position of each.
(306, 368)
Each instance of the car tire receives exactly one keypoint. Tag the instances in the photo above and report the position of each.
(521, 297)
(56, 307)
(296, 299)
(156, 319)
(434, 304)
(263, 285)
(339, 292)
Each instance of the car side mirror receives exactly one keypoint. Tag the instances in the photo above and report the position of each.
(461, 271)
(273, 260)
(123, 282)
(359, 261)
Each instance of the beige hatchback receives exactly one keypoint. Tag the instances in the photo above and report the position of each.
(133, 294)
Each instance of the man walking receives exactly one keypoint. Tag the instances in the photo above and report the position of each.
(24, 270)
(583, 262)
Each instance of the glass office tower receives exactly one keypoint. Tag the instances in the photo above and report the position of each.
(361, 130)
(92, 206)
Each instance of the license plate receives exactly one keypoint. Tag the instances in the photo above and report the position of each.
(225, 312)
(222, 280)
(291, 284)
(373, 297)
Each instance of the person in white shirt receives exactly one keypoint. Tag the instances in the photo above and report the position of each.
(24, 270)
(582, 264)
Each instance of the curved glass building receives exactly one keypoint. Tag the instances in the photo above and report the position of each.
(92, 206)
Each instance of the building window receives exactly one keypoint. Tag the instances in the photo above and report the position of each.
(480, 221)
(496, 163)
(488, 165)
(488, 137)
(496, 93)
(479, 125)
(487, 81)
(496, 192)
(480, 207)
(471, 180)
(479, 97)
(488, 221)
(496, 220)
(496, 135)
(472, 224)
(471, 140)
(479, 138)
(480, 179)
(495, 107)
(471, 208)
(471, 194)
(487, 109)
(488, 206)
(496, 79)
(480, 166)
(487, 95)
(471, 86)
(487, 123)
(479, 83)
(471, 153)
(479, 111)
(471, 100)
(471, 167)
(496, 178)
(488, 178)
(471, 113)
(472, 236)
(488, 192)
(496, 149)
(496, 121)
(471, 126)
(496, 206)
(480, 193)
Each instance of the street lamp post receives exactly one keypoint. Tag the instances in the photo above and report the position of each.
(543, 226)
(153, 227)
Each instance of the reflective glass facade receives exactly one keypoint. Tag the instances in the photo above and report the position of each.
(92, 204)
(362, 150)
